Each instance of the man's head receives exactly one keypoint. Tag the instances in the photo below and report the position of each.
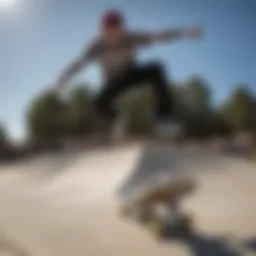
(112, 26)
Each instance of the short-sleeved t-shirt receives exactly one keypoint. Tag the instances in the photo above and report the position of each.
(114, 60)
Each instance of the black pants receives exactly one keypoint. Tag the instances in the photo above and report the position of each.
(152, 73)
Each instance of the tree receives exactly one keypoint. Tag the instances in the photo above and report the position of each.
(3, 136)
(197, 96)
(81, 113)
(47, 117)
(50, 116)
(178, 102)
(196, 108)
(240, 110)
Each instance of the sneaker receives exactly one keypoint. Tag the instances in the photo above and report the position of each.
(169, 127)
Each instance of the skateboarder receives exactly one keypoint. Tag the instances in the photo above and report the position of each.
(115, 49)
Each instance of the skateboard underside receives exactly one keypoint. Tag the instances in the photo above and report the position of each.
(155, 208)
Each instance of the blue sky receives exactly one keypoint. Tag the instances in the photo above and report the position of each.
(39, 39)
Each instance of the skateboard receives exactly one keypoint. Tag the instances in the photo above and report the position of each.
(158, 208)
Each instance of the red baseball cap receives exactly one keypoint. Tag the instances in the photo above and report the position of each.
(112, 18)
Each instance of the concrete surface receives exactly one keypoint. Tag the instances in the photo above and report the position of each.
(65, 204)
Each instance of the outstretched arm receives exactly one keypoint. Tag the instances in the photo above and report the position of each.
(167, 35)
(177, 34)
(76, 66)
(69, 72)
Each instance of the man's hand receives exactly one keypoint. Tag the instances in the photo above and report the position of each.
(194, 31)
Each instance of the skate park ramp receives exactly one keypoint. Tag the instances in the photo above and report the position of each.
(73, 210)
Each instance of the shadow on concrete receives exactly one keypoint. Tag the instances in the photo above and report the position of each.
(251, 244)
(201, 245)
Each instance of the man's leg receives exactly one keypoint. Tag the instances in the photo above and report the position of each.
(112, 89)
(154, 74)
(151, 73)
(105, 103)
